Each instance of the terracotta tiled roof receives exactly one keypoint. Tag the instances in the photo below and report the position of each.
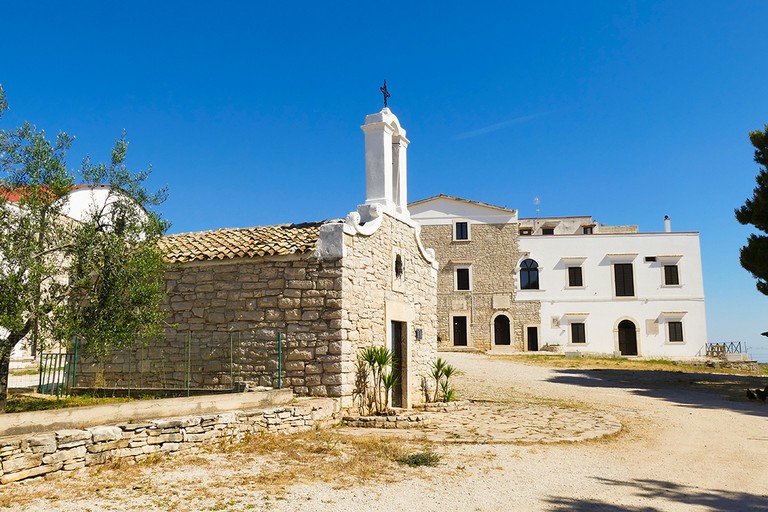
(223, 244)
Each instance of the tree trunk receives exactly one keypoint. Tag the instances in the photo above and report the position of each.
(5, 362)
(6, 347)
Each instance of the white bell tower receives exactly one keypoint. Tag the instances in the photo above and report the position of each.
(386, 169)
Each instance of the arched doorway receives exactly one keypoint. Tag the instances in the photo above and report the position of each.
(627, 338)
(501, 330)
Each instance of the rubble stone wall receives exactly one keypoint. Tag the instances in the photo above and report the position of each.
(68, 450)
(492, 253)
(226, 318)
(375, 295)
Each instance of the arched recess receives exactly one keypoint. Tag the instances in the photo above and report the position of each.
(627, 336)
(501, 330)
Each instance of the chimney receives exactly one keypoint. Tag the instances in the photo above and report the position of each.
(667, 224)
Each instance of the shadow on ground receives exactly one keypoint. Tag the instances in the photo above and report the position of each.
(714, 391)
(660, 494)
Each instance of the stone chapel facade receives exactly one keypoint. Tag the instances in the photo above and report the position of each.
(327, 289)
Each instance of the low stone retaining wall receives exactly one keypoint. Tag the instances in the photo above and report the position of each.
(70, 449)
(398, 421)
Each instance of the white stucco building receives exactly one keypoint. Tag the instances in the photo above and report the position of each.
(510, 283)
(81, 201)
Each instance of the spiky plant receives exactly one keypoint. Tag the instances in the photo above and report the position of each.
(389, 380)
(436, 372)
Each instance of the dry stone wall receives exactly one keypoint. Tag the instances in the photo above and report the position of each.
(493, 253)
(68, 450)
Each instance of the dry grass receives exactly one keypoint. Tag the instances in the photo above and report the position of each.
(621, 363)
(260, 467)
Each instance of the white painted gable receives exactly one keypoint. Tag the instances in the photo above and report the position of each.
(446, 209)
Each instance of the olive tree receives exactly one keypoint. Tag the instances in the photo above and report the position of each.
(98, 277)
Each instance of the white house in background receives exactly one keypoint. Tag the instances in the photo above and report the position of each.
(79, 202)
(509, 283)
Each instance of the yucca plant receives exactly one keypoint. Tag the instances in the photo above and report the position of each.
(378, 360)
(436, 372)
(389, 380)
(362, 395)
(441, 372)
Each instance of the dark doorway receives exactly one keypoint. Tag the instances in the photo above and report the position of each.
(533, 338)
(627, 338)
(398, 342)
(501, 335)
(460, 331)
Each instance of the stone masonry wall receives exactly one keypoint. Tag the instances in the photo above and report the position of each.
(373, 295)
(227, 316)
(67, 450)
(493, 253)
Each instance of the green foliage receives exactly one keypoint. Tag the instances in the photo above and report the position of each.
(100, 278)
(374, 379)
(388, 380)
(427, 458)
(25, 403)
(754, 255)
(441, 372)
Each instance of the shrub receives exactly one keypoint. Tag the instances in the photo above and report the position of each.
(427, 458)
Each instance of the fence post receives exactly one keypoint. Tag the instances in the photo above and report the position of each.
(130, 367)
(40, 374)
(239, 356)
(74, 372)
(189, 363)
(279, 360)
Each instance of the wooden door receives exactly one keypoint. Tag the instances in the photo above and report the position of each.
(501, 334)
(398, 342)
(460, 331)
(627, 338)
(533, 339)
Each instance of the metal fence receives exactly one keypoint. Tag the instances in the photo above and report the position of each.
(189, 362)
(722, 348)
(58, 373)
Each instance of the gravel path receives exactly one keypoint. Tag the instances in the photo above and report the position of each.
(683, 446)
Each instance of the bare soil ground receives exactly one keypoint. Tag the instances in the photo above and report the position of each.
(689, 442)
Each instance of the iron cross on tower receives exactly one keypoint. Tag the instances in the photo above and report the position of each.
(385, 92)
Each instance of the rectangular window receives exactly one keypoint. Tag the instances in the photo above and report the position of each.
(461, 231)
(675, 332)
(547, 231)
(578, 333)
(575, 278)
(462, 279)
(588, 230)
(525, 231)
(625, 286)
(671, 275)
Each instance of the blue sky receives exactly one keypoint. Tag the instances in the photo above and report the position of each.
(250, 111)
